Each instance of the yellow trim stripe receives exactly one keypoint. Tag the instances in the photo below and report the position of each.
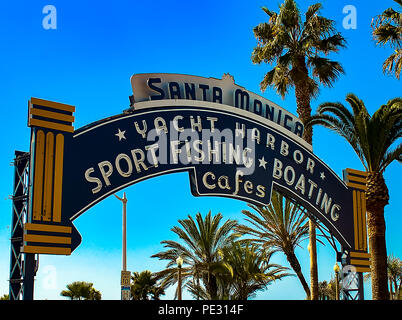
(360, 262)
(355, 254)
(357, 179)
(48, 185)
(46, 239)
(47, 227)
(51, 125)
(58, 178)
(38, 180)
(52, 115)
(357, 186)
(52, 104)
(363, 269)
(46, 250)
(356, 172)
(359, 221)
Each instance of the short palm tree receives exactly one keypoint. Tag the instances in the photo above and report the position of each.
(394, 270)
(81, 290)
(387, 30)
(394, 276)
(372, 138)
(145, 285)
(281, 226)
(200, 241)
(249, 269)
(5, 297)
(328, 290)
(298, 49)
(323, 290)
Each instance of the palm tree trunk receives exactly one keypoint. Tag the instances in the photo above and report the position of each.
(211, 286)
(396, 290)
(313, 261)
(295, 265)
(378, 249)
(376, 199)
(303, 97)
(390, 289)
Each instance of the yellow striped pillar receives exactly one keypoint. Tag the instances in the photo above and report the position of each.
(359, 256)
(50, 122)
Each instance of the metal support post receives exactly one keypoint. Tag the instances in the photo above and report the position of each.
(18, 266)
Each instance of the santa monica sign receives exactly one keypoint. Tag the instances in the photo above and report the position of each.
(232, 142)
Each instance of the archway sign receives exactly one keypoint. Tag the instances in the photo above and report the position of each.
(232, 142)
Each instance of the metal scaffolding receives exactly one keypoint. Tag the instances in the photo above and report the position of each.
(352, 284)
(22, 266)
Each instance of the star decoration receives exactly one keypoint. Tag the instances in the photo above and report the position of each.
(262, 163)
(322, 175)
(120, 134)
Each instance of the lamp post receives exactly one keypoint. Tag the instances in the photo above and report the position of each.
(336, 269)
(124, 228)
(125, 276)
(179, 262)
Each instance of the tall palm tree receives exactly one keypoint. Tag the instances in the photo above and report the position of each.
(249, 269)
(145, 285)
(81, 290)
(372, 138)
(387, 29)
(295, 46)
(200, 241)
(282, 226)
(298, 48)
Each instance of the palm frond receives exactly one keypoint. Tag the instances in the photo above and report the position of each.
(370, 136)
(393, 64)
(286, 42)
(327, 71)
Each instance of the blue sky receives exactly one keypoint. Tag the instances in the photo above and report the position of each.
(87, 62)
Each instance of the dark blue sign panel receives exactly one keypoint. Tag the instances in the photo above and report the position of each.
(226, 154)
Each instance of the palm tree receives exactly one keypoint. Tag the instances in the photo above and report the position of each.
(394, 271)
(394, 276)
(296, 46)
(282, 226)
(81, 289)
(201, 239)
(323, 291)
(145, 285)
(387, 29)
(249, 269)
(5, 297)
(94, 294)
(372, 138)
(296, 49)
(327, 290)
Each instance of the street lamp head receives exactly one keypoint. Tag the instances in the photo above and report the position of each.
(179, 261)
(336, 268)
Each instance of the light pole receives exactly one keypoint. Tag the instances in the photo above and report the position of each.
(124, 228)
(179, 262)
(336, 269)
(125, 276)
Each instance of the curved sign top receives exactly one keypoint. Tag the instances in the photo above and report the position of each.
(169, 86)
(226, 149)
